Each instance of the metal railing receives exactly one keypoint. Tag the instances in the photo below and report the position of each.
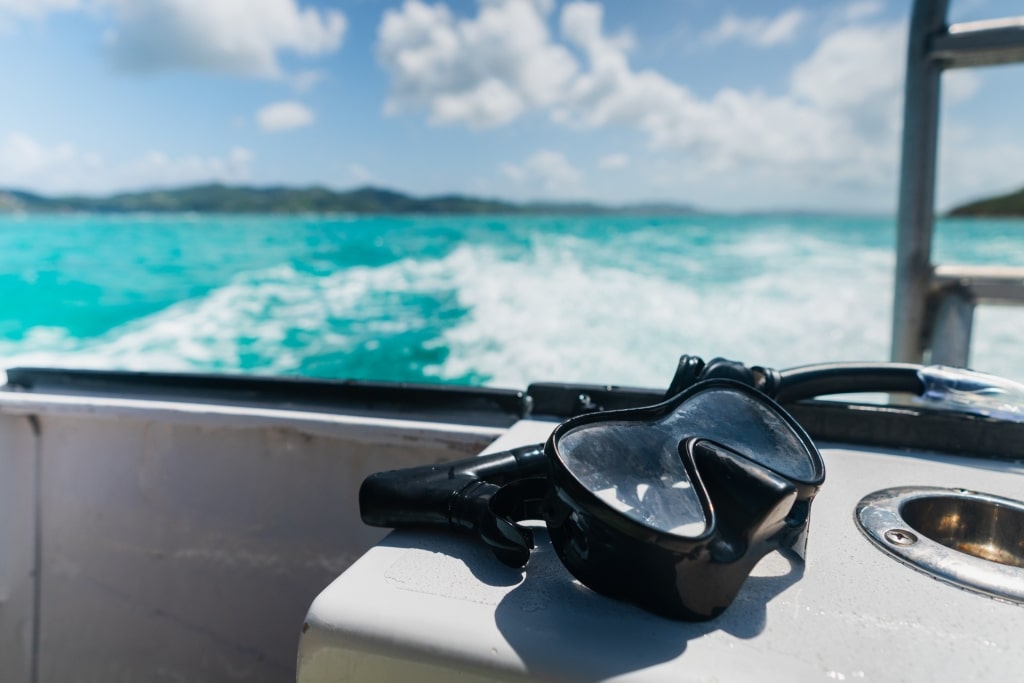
(933, 306)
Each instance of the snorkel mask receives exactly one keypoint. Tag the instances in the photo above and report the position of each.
(668, 506)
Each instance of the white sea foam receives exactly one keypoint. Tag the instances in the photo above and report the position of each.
(996, 344)
(553, 317)
(256, 314)
(557, 311)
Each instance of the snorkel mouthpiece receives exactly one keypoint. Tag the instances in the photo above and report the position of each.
(484, 496)
(668, 506)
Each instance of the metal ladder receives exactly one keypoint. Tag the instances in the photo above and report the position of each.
(933, 307)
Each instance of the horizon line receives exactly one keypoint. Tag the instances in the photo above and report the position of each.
(682, 205)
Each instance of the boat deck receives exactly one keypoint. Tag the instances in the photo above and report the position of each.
(434, 606)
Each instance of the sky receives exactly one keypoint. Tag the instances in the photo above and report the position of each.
(730, 106)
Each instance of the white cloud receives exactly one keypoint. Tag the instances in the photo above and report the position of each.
(614, 161)
(839, 117)
(483, 72)
(157, 169)
(281, 116)
(610, 92)
(514, 172)
(855, 66)
(758, 31)
(975, 164)
(13, 11)
(22, 156)
(240, 37)
(545, 170)
(304, 81)
(837, 122)
(960, 85)
(864, 9)
(36, 9)
(834, 126)
(360, 174)
(62, 167)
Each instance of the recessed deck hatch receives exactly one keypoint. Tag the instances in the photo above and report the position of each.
(972, 540)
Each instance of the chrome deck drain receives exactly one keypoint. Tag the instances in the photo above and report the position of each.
(972, 540)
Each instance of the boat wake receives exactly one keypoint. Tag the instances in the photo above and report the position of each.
(550, 307)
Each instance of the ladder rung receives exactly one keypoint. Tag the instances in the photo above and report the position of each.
(985, 284)
(980, 43)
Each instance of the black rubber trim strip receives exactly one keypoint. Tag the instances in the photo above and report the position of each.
(436, 402)
(562, 401)
(911, 427)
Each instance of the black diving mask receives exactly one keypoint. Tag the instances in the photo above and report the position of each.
(668, 506)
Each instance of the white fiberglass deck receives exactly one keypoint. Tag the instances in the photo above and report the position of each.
(439, 607)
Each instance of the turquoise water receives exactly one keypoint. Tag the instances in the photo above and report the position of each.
(477, 300)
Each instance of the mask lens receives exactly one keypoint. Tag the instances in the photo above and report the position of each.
(750, 425)
(636, 471)
(634, 466)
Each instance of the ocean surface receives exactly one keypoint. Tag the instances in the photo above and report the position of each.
(499, 301)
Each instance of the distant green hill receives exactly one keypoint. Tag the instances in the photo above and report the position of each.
(1004, 205)
(217, 198)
